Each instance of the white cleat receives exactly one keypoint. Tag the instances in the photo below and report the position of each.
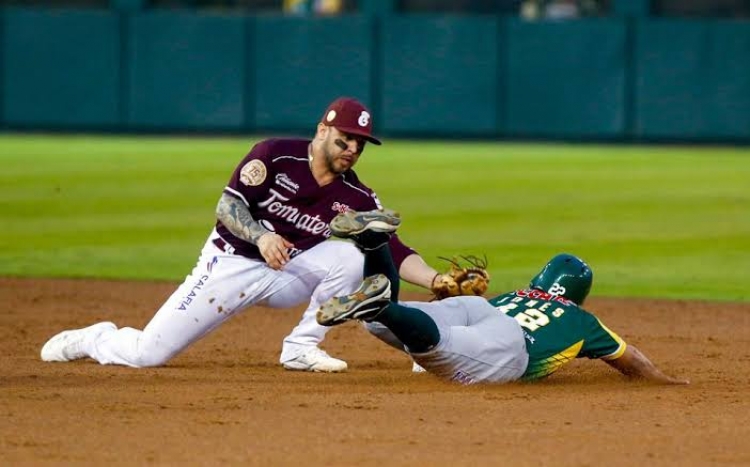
(316, 360)
(68, 345)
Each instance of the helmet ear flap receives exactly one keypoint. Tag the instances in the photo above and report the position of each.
(567, 276)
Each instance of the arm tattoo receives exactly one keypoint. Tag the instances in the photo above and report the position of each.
(237, 218)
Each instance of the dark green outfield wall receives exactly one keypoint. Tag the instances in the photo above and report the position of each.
(442, 76)
(692, 78)
(61, 69)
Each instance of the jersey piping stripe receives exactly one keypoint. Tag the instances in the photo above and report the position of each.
(343, 177)
(306, 159)
(237, 194)
(620, 350)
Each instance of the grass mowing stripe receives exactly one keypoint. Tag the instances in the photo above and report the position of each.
(652, 221)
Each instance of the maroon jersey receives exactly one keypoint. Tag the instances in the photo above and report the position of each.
(276, 184)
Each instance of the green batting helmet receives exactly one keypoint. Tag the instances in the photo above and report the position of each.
(566, 276)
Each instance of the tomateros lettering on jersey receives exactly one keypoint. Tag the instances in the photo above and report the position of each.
(282, 194)
(274, 204)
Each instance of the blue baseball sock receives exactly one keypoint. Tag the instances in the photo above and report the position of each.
(413, 327)
(380, 261)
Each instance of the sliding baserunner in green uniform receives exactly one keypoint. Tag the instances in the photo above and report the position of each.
(526, 334)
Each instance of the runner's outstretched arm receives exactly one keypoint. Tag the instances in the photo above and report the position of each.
(634, 364)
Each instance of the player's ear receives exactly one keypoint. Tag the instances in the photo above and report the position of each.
(322, 131)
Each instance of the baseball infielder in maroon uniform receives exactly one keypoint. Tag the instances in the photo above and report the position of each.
(268, 247)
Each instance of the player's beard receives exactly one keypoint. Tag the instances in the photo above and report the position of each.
(333, 159)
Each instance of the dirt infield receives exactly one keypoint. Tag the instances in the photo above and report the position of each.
(226, 401)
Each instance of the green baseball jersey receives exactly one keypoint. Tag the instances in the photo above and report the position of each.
(557, 331)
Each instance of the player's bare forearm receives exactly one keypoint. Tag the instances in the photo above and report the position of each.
(415, 271)
(634, 364)
(237, 218)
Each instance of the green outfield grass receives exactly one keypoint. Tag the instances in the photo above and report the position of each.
(652, 221)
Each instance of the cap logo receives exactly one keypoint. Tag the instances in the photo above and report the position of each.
(331, 115)
(364, 118)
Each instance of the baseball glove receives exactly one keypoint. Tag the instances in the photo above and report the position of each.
(467, 276)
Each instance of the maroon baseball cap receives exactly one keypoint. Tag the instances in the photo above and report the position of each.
(350, 116)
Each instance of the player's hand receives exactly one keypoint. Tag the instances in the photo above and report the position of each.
(275, 249)
(672, 380)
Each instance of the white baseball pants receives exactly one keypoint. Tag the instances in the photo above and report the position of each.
(223, 284)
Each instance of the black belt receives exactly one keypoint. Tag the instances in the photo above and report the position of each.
(222, 245)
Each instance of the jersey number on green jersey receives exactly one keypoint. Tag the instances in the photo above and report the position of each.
(531, 318)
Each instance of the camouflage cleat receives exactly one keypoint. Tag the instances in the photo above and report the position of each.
(352, 223)
(365, 303)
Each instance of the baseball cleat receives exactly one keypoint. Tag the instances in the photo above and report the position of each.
(316, 360)
(68, 345)
(365, 303)
(351, 223)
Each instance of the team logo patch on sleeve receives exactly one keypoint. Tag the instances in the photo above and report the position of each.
(253, 173)
(339, 207)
